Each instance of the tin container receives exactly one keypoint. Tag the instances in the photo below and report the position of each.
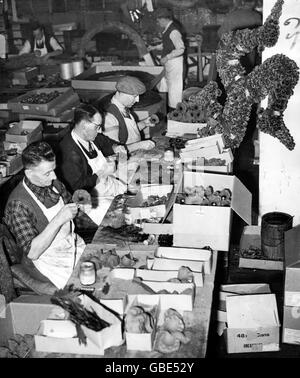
(87, 273)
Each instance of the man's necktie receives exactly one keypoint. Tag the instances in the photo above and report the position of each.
(92, 151)
(126, 113)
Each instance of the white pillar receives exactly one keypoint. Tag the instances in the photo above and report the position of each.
(279, 168)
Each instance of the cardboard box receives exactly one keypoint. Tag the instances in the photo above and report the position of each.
(19, 146)
(253, 323)
(203, 255)
(197, 226)
(19, 107)
(14, 165)
(194, 152)
(165, 301)
(65, 116)
(238, 289)
(143, 341)
(137, 211)
(291, 325)
(208, 141)
(159, 263)
(158, 228)
(83, 80)
(251, 237)
(24, 132)
(292, 267)
(165, 275)
(198, 165)
(97, 341)
(23, 316)
(177, 128)
(185, 298)
(23, 75)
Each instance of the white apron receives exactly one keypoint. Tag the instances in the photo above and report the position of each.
(134, 134)
(59, 259)
(108, 186)
(43, 51)
(174, 78)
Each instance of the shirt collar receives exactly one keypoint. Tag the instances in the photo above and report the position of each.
(82, 141)
(46, 195)
(116, 102)
(167, 26)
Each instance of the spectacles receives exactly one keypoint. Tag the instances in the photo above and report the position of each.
(98, 126)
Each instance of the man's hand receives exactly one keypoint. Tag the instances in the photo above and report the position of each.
(164, 60)
(118, 149)
(147, 122)
(145, 145)
(67, 213)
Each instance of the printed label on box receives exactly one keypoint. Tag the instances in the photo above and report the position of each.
(255, 347)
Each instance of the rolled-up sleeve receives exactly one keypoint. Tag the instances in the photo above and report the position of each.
(176, 38)
(111, 127)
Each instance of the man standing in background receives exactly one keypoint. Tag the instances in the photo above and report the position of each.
(172, 55)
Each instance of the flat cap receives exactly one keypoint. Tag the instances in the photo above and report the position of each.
(130, 85)
(164, 13)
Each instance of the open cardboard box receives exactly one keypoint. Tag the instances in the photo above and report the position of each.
(238, 289)
(291, 325)
(207, 141)
(198, 164)
(203, 255)
(197, 226)
(193, 152)
(165, 275)
(178, 128)
(160, 263)
(165, 302)
(137, 211)
(292, 267)
(251, 237)
(160, 276)
(17, 106)
(26, 131)
(23, 316)
(252, 323)
(143, 341)
(97, 341)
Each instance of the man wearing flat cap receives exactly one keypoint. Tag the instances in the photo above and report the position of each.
(172, 55)
(120, 124)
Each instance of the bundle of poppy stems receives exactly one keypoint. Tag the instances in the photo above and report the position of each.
(67, 298)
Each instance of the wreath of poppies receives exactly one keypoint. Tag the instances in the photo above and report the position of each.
(276, 78)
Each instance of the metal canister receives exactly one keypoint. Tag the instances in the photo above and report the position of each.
(87, 274)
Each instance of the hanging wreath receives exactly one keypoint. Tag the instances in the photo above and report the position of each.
(275, 78)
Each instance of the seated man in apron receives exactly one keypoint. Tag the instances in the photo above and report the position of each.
(40, 216)
(82, 164)
(41, 44)
(120, 124)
